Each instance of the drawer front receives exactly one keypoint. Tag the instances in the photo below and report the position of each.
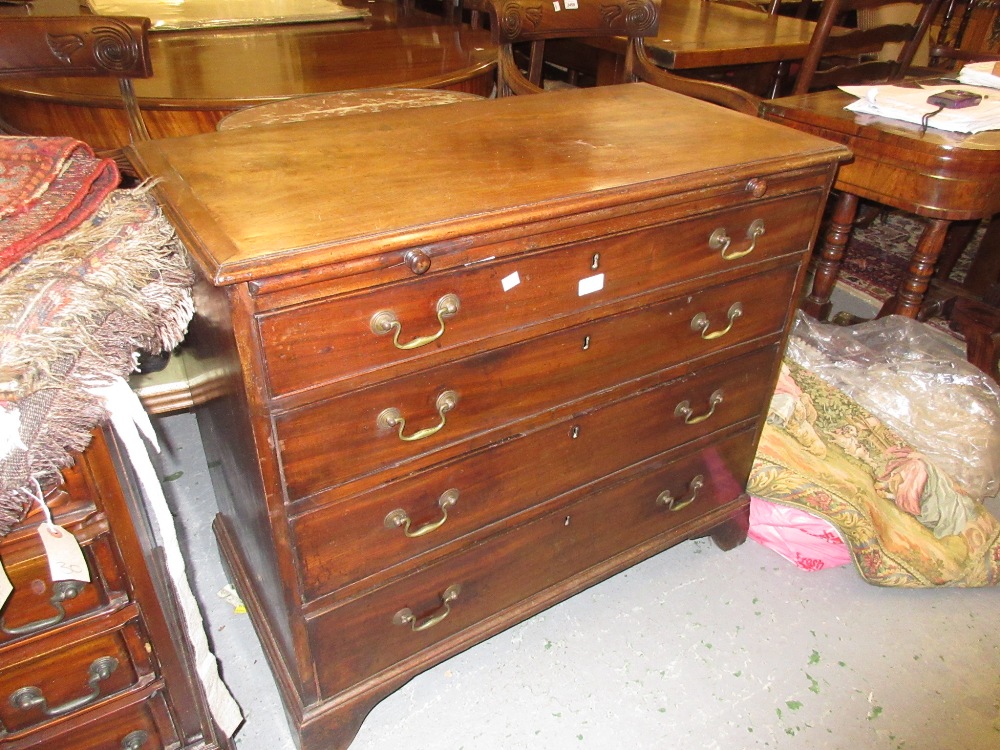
(38, 604)
(139, 720)
(328, 340)
(38, 687)
(501, 387)
(505, 570)
(366, 535)
(72, 504)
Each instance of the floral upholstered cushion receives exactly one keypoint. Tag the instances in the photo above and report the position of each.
(906, 522)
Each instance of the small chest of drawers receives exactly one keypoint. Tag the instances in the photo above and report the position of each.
(477, 358)
(104, 664)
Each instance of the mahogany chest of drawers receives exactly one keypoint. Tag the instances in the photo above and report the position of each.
(102, 665)
(477, 358)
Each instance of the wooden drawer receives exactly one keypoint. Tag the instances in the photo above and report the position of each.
(138, 720)
(518, 564)
(356, 538)
(332, 339)
(499, 388)
(38, 604)
(43, 679)
(72, 504)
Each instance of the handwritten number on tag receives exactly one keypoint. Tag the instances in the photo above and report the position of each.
(66, 562)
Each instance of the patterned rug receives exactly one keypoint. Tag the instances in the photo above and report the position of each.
(48, 187)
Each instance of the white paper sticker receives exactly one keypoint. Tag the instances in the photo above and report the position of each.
(6, 588)
(66, 561)
(591, 284)
(572, 5)
(556, 6)
(510, 281)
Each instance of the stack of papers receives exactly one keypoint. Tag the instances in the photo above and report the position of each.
(909, 104)
(980, 74)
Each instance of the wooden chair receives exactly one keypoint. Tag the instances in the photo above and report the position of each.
(840, 56)
(79, 46)
(516, 21)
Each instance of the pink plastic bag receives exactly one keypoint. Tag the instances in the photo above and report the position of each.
(806, 540)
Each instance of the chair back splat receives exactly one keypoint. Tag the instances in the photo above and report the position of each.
(535, 21)
(841, 55)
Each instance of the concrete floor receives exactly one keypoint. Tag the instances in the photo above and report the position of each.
(695, 648)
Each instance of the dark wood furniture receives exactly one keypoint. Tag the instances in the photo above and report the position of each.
(470, 378)
(939, 176)
(701, 37)
(200, 76)
(103, 665)
(71, 48)
(839, 56)
(515, 22)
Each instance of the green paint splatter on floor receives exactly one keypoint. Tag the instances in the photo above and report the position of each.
(173, 477)
(737, 673)
(813, 684)
(875, 712)
(794, 705)
(814, 657)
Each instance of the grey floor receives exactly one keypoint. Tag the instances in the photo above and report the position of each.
(694, 648)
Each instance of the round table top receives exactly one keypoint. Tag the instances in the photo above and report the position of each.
(229, 68)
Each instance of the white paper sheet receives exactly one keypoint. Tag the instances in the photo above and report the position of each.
(980, 74)
(910, 105)
(127, 418)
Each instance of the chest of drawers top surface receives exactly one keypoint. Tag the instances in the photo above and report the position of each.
(258, 202)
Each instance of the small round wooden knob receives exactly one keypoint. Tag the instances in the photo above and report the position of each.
(757, 187)
(417, 261)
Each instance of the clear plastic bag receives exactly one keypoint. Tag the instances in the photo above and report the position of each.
(919, 384)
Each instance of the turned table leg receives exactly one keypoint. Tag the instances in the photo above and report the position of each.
(910, 293)
(817, 304)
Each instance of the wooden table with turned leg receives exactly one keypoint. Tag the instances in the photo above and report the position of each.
(937, 175)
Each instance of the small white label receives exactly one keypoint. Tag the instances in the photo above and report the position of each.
(572, 5)
(510, 281)
(591, 284)
(66, 561)
(6, 589)
(556, 6)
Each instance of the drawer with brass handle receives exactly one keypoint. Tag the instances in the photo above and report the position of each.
(38, 604)
(412, 415)
(332, 339)
(595, 525)
(137, 720)
(102, 660)
(370, 534)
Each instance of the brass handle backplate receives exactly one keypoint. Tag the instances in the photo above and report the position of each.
(400, 517)
(392, 417)
(61, 591)
(386, 321)
(684, 409)
(720, 240)
(405, 616)
(27, 698)
(700, 323)
(671, 503)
